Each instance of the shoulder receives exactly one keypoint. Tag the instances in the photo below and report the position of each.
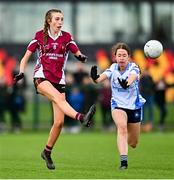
(109, 72)
(40, 32)
(134, 68)
(114, 66)
(66, 35)
(133, 65)
(39, 35)
(111, 68)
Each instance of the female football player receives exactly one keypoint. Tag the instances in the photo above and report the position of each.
(126, 102)
(53, 45)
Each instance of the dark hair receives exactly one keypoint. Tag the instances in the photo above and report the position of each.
(48, 16)
(120, 45)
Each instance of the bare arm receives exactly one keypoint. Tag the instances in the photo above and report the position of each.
(125, 83)
(81, 57)
(101, 78)
(24, 61)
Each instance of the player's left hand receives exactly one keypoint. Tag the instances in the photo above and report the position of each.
(94, 74)
(123, 83)
(82, 58)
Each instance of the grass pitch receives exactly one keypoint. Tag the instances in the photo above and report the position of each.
(89, 155)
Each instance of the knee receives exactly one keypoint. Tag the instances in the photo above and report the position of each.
(58, 124)
(122, 130)
(58, 99)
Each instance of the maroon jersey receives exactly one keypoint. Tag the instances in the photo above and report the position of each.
(52, 57)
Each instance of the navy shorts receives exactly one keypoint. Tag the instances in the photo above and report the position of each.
(133, 116)
(59, 87)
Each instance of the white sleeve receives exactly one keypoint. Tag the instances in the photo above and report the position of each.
(135, 70)
(108, 72)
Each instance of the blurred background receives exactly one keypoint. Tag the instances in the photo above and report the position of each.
(96, 27)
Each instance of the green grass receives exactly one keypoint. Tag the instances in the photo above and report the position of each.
(88, 155)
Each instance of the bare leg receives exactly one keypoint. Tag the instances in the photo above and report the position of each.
(57, 125)
(133, 134)
(120, 119)
(54, 134)
(45, 88)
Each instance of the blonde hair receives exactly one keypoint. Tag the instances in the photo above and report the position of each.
(48, 17)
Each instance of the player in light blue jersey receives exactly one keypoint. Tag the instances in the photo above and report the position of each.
(126, 101)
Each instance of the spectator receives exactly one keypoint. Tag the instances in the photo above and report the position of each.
(104, 100)
(16, 104)
(3, 97)
(147, 88)
(160, 90)
(12, 100)
(80, 73)
(75, 98)
(90, 93)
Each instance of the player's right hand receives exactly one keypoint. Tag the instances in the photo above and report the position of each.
(123, 83)
(94, 74)
(18, 77)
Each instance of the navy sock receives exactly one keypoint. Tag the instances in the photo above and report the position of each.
(123, 159)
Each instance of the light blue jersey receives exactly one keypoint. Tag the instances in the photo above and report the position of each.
(129, 98)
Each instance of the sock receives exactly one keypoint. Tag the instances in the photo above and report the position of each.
(48, 150)
(123, 159)
(79, 117)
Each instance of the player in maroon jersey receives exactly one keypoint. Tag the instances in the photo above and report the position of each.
(53, 46)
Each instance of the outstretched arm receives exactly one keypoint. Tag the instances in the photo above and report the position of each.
(95, 76)
(134, 75)
(101, 78)
(24, 61)
(125, 83)
(131, 79)
(81, 57)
